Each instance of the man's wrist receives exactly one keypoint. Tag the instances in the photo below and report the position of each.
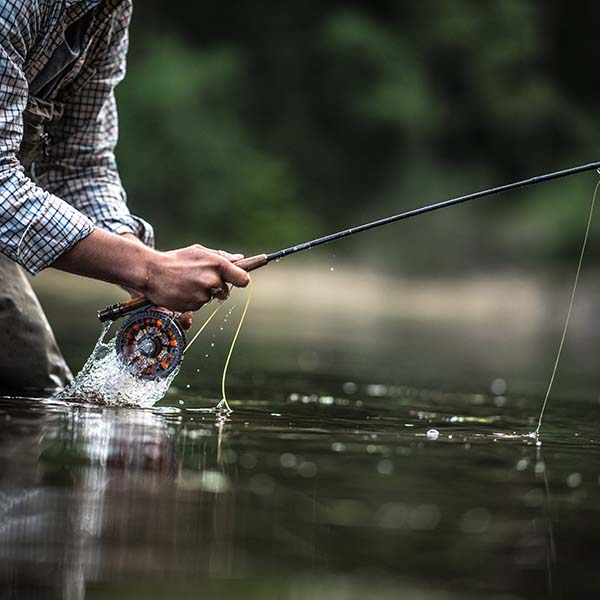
(139, 267)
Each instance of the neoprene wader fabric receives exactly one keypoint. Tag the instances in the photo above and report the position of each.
(30, 359)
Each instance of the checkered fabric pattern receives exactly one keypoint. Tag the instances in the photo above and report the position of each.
(77, 185)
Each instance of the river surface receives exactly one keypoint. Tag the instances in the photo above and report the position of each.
(386, 459)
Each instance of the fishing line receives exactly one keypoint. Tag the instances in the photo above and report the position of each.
(214, 312)
(121, 309)
(564, 333)
(223, 404)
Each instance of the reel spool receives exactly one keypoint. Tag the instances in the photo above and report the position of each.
(150, 344)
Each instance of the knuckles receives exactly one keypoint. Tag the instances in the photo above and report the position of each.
(187, 276)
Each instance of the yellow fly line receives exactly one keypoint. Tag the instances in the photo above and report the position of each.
(223, 404)
(233, 341)
(214, 312)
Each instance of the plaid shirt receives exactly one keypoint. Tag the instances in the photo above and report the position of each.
(77, 185)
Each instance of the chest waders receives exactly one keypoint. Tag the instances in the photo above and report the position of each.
(30, 359)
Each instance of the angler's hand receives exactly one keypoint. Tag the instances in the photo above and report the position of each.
(181, 280)
(186, 279)
(185, 319)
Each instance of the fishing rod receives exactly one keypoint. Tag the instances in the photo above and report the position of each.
(131, 343)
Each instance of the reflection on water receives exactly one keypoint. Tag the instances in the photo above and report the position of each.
(347, 494)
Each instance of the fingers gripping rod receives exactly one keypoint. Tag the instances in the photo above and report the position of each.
(121, 309)
(116, 311)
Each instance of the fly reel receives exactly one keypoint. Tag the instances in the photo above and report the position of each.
(150, 343)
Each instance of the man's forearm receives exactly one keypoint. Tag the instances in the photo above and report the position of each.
(181, 280)
(118, 259)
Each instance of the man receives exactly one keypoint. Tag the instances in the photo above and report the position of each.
(61, 200)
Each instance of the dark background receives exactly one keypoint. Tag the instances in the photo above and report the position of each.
(256, 125)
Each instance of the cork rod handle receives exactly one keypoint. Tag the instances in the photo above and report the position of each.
(252, 263)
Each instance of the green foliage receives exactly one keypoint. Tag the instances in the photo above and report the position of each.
(190, 159)
(257, 126)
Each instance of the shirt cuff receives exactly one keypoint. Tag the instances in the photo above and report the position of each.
(56, 228)
(129, 224)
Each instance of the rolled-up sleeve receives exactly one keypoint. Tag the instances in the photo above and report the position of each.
(81, 166)
(36, 227)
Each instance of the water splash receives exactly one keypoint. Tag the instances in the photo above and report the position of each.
(105, 380)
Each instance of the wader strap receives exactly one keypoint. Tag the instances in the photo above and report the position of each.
(41, 108)
(38, 114)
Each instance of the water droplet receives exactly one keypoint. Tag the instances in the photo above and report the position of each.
(181, 402)
(307, 469)
(349, 387)
(288, 460)
(331, 269)
(327, 400)
(188, 386)
(212, 344)
(499, 386)
(433, 434)
(377, 390)
(574, 480)
(425, 517)
(385, 467)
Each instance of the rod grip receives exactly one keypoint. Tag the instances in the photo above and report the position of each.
(252, 262)
(116, 311)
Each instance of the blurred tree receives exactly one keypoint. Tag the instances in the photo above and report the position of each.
(191, 158)
(256, 125)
